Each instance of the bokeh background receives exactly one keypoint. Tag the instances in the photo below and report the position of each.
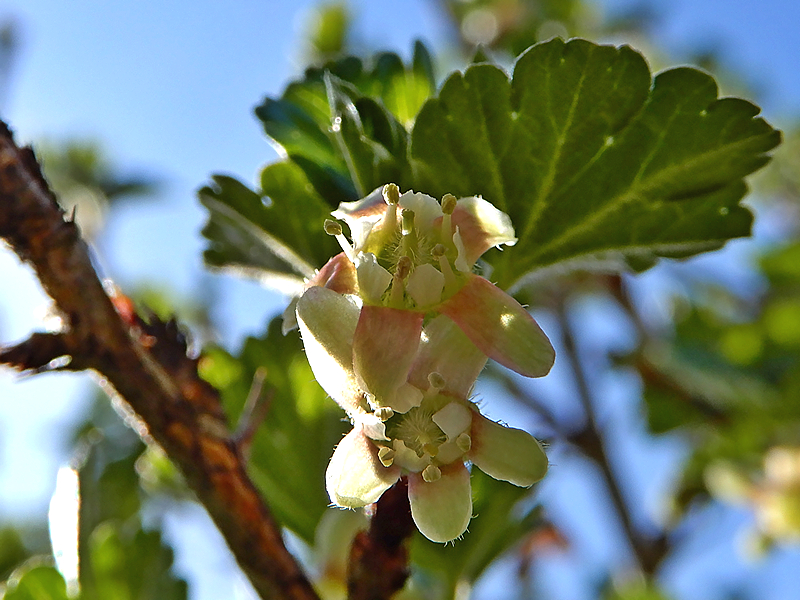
(132, 106)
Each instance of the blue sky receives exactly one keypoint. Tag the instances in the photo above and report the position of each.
(169, 87)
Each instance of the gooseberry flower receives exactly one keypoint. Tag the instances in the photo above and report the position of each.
(396, 329)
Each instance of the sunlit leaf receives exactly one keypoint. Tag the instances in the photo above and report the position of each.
(596, 164)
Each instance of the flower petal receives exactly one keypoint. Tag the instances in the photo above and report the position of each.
(328, 323)
(500, 327)
(446, 350)
(454, 419)
(338, 274)
(384, 347)
(481, 226)
(373, 279)
(506, 453)
(426, 210)
(362, 215)
(425, 285)
(355, 476)
(441, 509)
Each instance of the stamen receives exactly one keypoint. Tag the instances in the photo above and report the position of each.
(450, 280)
(391, 195)
(431, 473)
(398, 282)
(408, 221)
(335, 229)
(448, 206)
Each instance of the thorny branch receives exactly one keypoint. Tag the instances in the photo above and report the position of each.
(146, 365)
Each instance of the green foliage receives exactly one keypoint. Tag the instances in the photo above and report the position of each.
(342, 130)
(596, 163)
(39, 582)
(290, 452)
(730, 376)
(129, 563)
(592, 164)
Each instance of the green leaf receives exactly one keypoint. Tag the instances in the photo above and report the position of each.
(132, 565)
(277, 238)
(594, 162)
(38, 583)
(290, 452)
(503, 516)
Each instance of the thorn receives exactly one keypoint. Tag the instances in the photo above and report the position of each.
(254, 412)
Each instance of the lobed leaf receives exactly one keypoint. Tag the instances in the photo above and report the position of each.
(595, 163)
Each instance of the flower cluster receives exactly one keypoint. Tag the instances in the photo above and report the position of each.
(396, 329)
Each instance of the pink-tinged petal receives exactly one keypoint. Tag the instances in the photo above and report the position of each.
(500, 327)
(384, 347)
(355, 476)
(482, 226)
(441, 509)
(362, 215)
(446, 350)
(505, 453)
(328, 323)
(338, 274)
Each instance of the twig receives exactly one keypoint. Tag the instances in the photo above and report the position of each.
(379, 557)
(146, 364)
(254, 412)
(648, 553)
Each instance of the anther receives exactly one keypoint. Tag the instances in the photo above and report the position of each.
(436, 380)
(386, 456)
(448, 206)
(431, 473)
(464, 442)
(384, 413)
(391, 193)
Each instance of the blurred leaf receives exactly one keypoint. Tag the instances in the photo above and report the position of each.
(38, 583)
(328, 29)
(131, 564)
(12, 550)
(591, 163)
(290, 452)
(504, 515)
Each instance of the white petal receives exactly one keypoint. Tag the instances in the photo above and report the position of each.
(327, 323)
(454, 419)
(371, 425)
(426, 210)
(441, 509)
(425, 285)
(355, 476)
(362, 215)
(373, 279)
